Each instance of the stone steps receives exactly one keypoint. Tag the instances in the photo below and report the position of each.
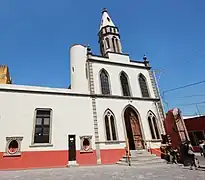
(139, 158)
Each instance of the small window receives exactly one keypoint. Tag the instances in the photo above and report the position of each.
(42, 126)
(86, 70)
(86, 144)
(113, 43)
(152, 121)
(110, 127)
(110, 29)
(108, 19)
(117, 45)
(108, 43)
(13, 147)
(102, 48)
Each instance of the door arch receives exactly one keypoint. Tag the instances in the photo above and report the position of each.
(133, 129)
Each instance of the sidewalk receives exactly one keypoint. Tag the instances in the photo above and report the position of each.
(201, 160)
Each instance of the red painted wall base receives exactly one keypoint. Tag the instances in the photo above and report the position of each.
(51, 159)
(48, 159)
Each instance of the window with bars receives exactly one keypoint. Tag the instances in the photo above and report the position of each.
(110, 127)
(124, 84)
(104, 80)
(152, 121)
(143, 86)
(42, 126)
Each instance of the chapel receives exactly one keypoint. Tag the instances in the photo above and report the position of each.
(112, 101)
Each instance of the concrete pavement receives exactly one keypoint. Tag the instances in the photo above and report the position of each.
(154, 172)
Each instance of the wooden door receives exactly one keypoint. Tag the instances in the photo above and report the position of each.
(136, 131)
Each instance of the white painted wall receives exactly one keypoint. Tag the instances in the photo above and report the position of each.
(117, 106)
(114, 75)
(71, 115)
(117, 58)
(79, 79)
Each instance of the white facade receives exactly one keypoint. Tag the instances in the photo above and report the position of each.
(80, 110)
(17, 117)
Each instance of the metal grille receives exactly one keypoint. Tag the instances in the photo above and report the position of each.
(42, 126)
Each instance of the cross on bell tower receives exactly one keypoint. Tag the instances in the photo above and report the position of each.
(109, 37)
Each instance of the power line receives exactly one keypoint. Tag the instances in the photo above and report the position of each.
(185, 86)
(190, 104)
(194, 95)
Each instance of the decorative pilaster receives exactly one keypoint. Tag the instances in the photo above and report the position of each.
(158, 103)
(92, 91)
(155, 87)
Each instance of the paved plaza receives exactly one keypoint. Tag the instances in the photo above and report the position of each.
(117, 172)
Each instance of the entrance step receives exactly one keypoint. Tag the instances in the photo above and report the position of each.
(72, 164)
(141, 157)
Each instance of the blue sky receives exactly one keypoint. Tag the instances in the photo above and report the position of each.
(35, 37)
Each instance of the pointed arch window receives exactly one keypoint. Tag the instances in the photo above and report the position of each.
(143, 85)
(110, 126)
(102, 48)
(117, 45)
(104, 81)
(113, 43)
(108, 43)
(152, 120)
(124, 84)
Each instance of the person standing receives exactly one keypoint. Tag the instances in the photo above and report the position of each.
(201, 147)
(204, 148)
(192, 155)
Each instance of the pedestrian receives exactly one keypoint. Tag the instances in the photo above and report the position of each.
(192, 155)
(201, 147)
(184, 153)
(204, 149)
(174, 153)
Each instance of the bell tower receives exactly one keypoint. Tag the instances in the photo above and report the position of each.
(109, 37)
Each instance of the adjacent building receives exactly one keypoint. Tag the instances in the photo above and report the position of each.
(4, 75)
(196, 129)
